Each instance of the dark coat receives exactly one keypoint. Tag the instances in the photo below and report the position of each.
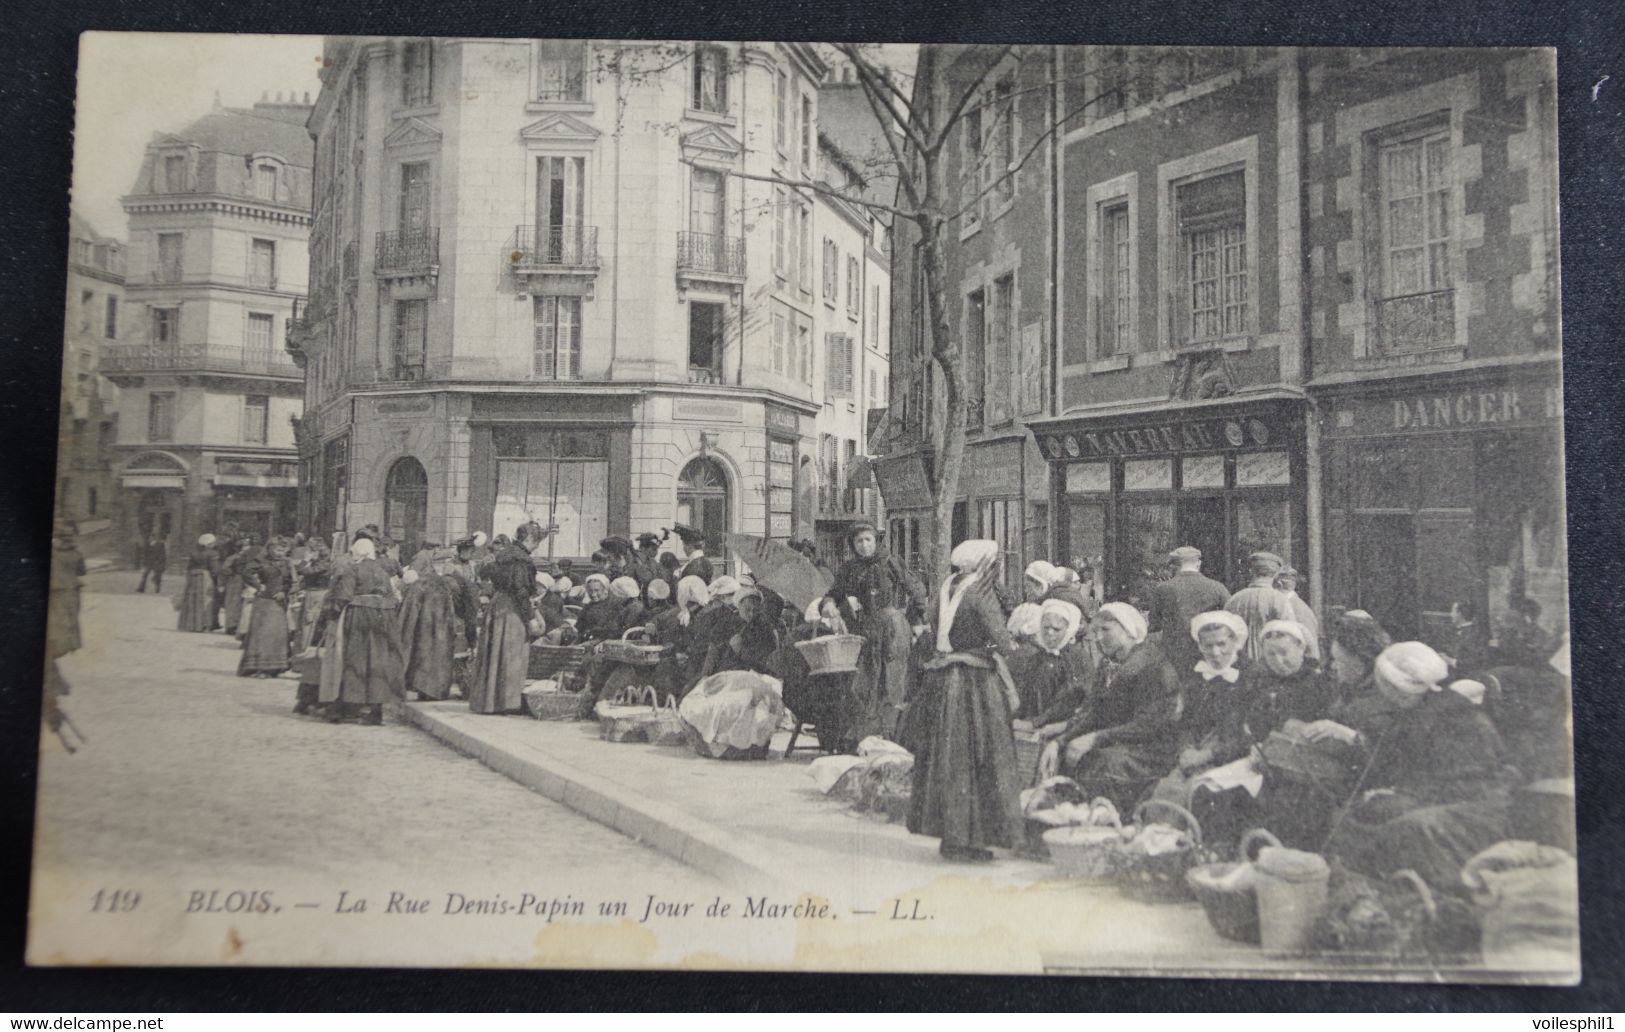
(1134, 703)
(878, 582)
(1051, 686)
(1264, 702)
(1174, 603)
(1206, 703)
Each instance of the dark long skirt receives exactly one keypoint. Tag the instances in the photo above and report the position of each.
(428, 640)
(233, 602)
(966, 791)
(881, 682)
(1121, 773)
(372, 658)
(266, 649)
(501, 662)
(1394, 833)
(196, 599)
(310, 611)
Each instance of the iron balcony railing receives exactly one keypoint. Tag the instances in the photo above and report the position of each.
(1416, 322)
(539, 248)
(704, 374)
(407, 252)
(710, 253)
(208, 358)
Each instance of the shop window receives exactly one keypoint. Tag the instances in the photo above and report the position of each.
(710, 79)
(1262, 525)
(406, 504)
(1415, 306)
(998, 520)
(1201, 472)
(1446, 474)
(410, 339)
(558, 338)
(1263, 469)
(417, 74)
(1386, 477)
(561, 66)
(557, 477)
(1088, 477)
(1213, 260)
(1148, 475)
(704, 342)
(1145, 537)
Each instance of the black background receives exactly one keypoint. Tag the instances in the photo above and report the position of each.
(39, 46)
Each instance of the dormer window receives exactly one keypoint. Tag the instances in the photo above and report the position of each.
(561, 70)
(174, 173)
(417, 74)
(265, 181)
(711, 79)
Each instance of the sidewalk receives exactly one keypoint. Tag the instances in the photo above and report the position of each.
(764, 826)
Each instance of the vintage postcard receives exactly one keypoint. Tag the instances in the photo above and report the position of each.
(852, 507)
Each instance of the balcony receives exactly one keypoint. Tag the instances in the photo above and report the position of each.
(1416, 322)
(196, 358)
(704, 374)
(560, 249)
(406, 253)
(710, 259)
(302, 328)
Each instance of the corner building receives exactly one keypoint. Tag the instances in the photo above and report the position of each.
(542, 289)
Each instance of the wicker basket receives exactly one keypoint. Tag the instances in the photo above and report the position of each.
(627, 718)
(549, 661)
(631, 652)
(546, 700)
(1087, 852)
(1029, 747)
(832, 654)
(1231, 910)
(667, 728)
(1161, 878)
(1300, 760)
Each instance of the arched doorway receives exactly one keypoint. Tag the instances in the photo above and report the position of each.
(406, 505)
(702, 501)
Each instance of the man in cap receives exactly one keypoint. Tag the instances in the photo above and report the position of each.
(1260, 602)
(1286, 582)
(693, 543)
(1175, 601)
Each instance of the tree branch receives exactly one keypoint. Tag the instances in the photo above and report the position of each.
(875, 90)
(903, 175)
(958, 107)
(825, 189)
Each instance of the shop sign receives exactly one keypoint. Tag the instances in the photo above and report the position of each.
(707, 411)
(1469, 409)
(783, 419)
(405, 407)
(1160, 439)
(903, 483)
(989, 471)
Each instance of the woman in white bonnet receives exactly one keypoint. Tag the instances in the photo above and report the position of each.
(1052, 673)
(966, 787)
(1435, 789)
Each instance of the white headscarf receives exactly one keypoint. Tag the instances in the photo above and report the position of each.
(1068, 612)
(600, 578)
(363, 548)
(545, 580)
(206, 540)
(1219, 618)
(1411, 668)
(1290, 628)
(562, 586)
(623, 587)
(690, 591)
(971, 558)
(1024, 621)
(724, 585)
(1044, 572)
(1126, 617)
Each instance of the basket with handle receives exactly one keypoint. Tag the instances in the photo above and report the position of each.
(627, 717)
(1029, 747)
(1087, 852)
(1227, 892)
(631, 649)
(550, 700)
(832, 653)
(1160, 877)
(667, 727)
(552, 661)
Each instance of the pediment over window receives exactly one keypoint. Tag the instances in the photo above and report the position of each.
(412, 132)
(559, 126)
(155, 462)
(712, 141)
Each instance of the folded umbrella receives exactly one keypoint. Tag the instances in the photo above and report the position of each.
(781, 569)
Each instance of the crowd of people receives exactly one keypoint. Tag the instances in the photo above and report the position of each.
(1246, 708)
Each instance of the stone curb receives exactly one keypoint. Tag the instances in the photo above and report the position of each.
(683, 837)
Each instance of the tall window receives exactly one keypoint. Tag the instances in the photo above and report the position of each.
(807, 131)
(970, 164)
(560, 206)
(87, 302)
(874, 387)
(256, 418)
(265, 182)
(161, 416)
(832, 270)
(804, 344)
(829, 450)
(804, 221)
(175, 173)
(783, 248)
(1415, 306)
(854, 288)
(166, 325)
(262, 265)
(169, 257)
(561, 69)
(838, 382)
(975, 356)
(1002, 141)
(708, 210)
(710, 79)
(781, 343)
(414, 212)
(1112, 87)
(110, 330)
(781, 110)
(704, 342)
(1116, 283)
(411, 339)
(258, 337)
(999, 318)
(1212, 217)
(558, 338)
(417, 73)
(874, 316)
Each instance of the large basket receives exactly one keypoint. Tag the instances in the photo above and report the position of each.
(1300, 760)
(627, 718)
(545, 700)
(1231, 908)
(634, 653)
(1086, 852)
(832, 654)
(1161, 878)
(1029, 747)
(550, 661)
(666, 728)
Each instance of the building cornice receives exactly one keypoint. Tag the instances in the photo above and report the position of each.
(596, 388)
(225, 204)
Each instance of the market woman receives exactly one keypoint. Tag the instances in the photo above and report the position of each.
(1053, 673)
(878, 599)
(362, 668)
(201, 567)
(502, 657)
(1435, 788)
(315, 576)
(1124, 736)
(265, 645)
(965, 782)
(432, 609)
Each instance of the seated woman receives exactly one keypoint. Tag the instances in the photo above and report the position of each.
(1211, 689)
(1123, 737)
(711, 628)
(1024, 623)
(1068, 587)
(597, 619)
(1052, 672)
(626, 605)
(1037, 578)
(1435, 788)
(669, 625)
(824, 700)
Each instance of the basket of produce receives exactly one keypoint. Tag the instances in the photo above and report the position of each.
(1228, 893)
(1088, 845)
(625, 718)
(549, 661)
(832, 653)
(1157, 856)
(549, 700)
(631, 650)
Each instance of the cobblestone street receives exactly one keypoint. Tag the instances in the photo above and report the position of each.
(192, 772)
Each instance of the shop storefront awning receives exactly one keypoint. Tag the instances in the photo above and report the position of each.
(903, 481)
